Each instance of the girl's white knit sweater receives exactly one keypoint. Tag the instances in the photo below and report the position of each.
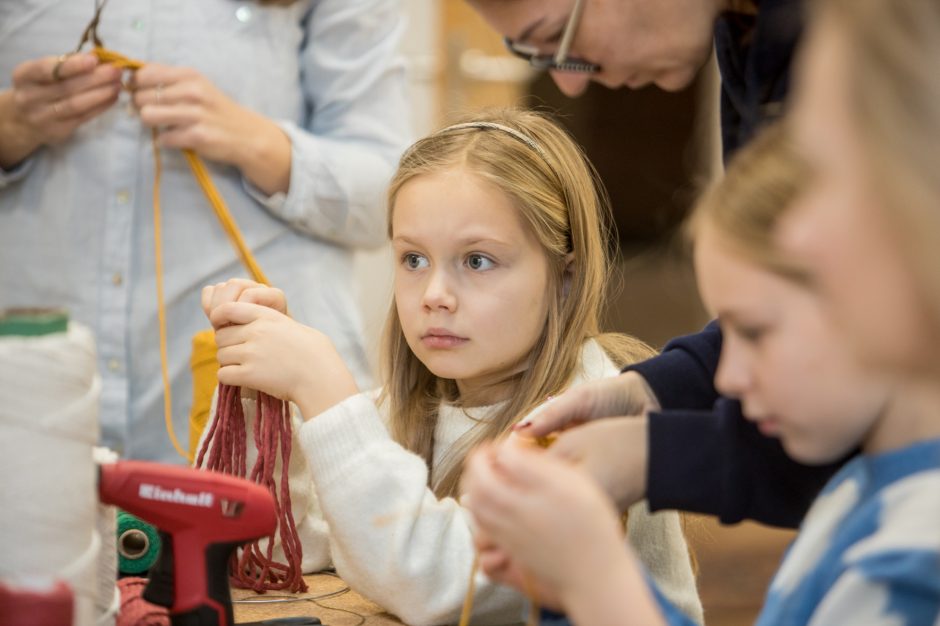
(362, 503)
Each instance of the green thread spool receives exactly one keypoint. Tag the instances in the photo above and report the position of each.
(138, 544)
(33, 322)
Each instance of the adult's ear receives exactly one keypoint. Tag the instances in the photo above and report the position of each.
(568, 274)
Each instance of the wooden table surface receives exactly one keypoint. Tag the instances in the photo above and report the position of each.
(346, 608)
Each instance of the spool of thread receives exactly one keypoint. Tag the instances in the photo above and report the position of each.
(49, 390)
(33, 322)
(138, 544)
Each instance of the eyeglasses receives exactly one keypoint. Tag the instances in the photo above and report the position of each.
(559, 61)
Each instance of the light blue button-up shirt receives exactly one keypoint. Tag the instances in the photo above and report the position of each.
(76, 221)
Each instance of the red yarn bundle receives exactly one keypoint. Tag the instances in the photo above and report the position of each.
(253, 566)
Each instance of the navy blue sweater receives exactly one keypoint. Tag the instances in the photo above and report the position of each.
(703, 455)
(754, 54)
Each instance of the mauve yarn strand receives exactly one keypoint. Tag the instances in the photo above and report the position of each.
(265, 436)
(225, 450)
(297, 551)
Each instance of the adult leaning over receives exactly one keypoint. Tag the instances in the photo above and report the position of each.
(678, 452)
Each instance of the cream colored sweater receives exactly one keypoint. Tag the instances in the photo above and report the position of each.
(361, 502)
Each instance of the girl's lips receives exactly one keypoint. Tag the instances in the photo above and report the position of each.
(435, 339)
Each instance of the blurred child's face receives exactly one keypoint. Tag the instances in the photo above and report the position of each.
(838, 226)
(783, 359)
(471, 280)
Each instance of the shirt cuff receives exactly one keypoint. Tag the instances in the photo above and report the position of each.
(17, 173)
(681, 377)
(671, 377)
(280, 203)
(274, 203)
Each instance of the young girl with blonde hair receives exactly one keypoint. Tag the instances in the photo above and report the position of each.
(497, 227)
(868, 550)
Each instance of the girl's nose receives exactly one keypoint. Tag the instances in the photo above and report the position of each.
(439, 293)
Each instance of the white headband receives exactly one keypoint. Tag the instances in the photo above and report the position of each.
(494, 126)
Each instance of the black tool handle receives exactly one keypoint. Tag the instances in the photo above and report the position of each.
(160, 587)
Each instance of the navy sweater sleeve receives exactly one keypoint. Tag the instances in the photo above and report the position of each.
(718, 463)
(681, 377)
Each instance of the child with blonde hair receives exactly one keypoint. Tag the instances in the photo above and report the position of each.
(868, 550)
(498, 234)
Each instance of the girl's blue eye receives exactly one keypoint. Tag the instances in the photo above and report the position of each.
(478, 262)
(414, 261)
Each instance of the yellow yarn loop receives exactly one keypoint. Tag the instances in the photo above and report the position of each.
(203, 360)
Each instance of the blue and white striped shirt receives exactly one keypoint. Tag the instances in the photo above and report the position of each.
(868, 551)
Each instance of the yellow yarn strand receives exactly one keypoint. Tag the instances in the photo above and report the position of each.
(117, 59)
(161, 309)
(534, 609)
(471, 588)
(224, 216)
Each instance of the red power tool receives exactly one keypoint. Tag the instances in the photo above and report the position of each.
(202, 517)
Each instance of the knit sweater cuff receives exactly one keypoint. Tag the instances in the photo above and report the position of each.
(17, 172)
(341, 437)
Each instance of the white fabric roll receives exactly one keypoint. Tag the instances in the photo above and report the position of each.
(107, 561)
(49, 390)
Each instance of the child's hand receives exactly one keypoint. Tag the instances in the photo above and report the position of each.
(242, 290)
(263, 349)
(613, 452)
(499, 567)
(551, 520)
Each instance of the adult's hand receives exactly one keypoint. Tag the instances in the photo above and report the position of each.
(50, 98)
(192, 113)
(627, 394)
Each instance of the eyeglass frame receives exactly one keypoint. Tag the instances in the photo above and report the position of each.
(558, 61)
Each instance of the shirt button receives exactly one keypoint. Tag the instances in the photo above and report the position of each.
(114, 365)
(137, 24)
(243, 14)
(117, 279)
(123, 196)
